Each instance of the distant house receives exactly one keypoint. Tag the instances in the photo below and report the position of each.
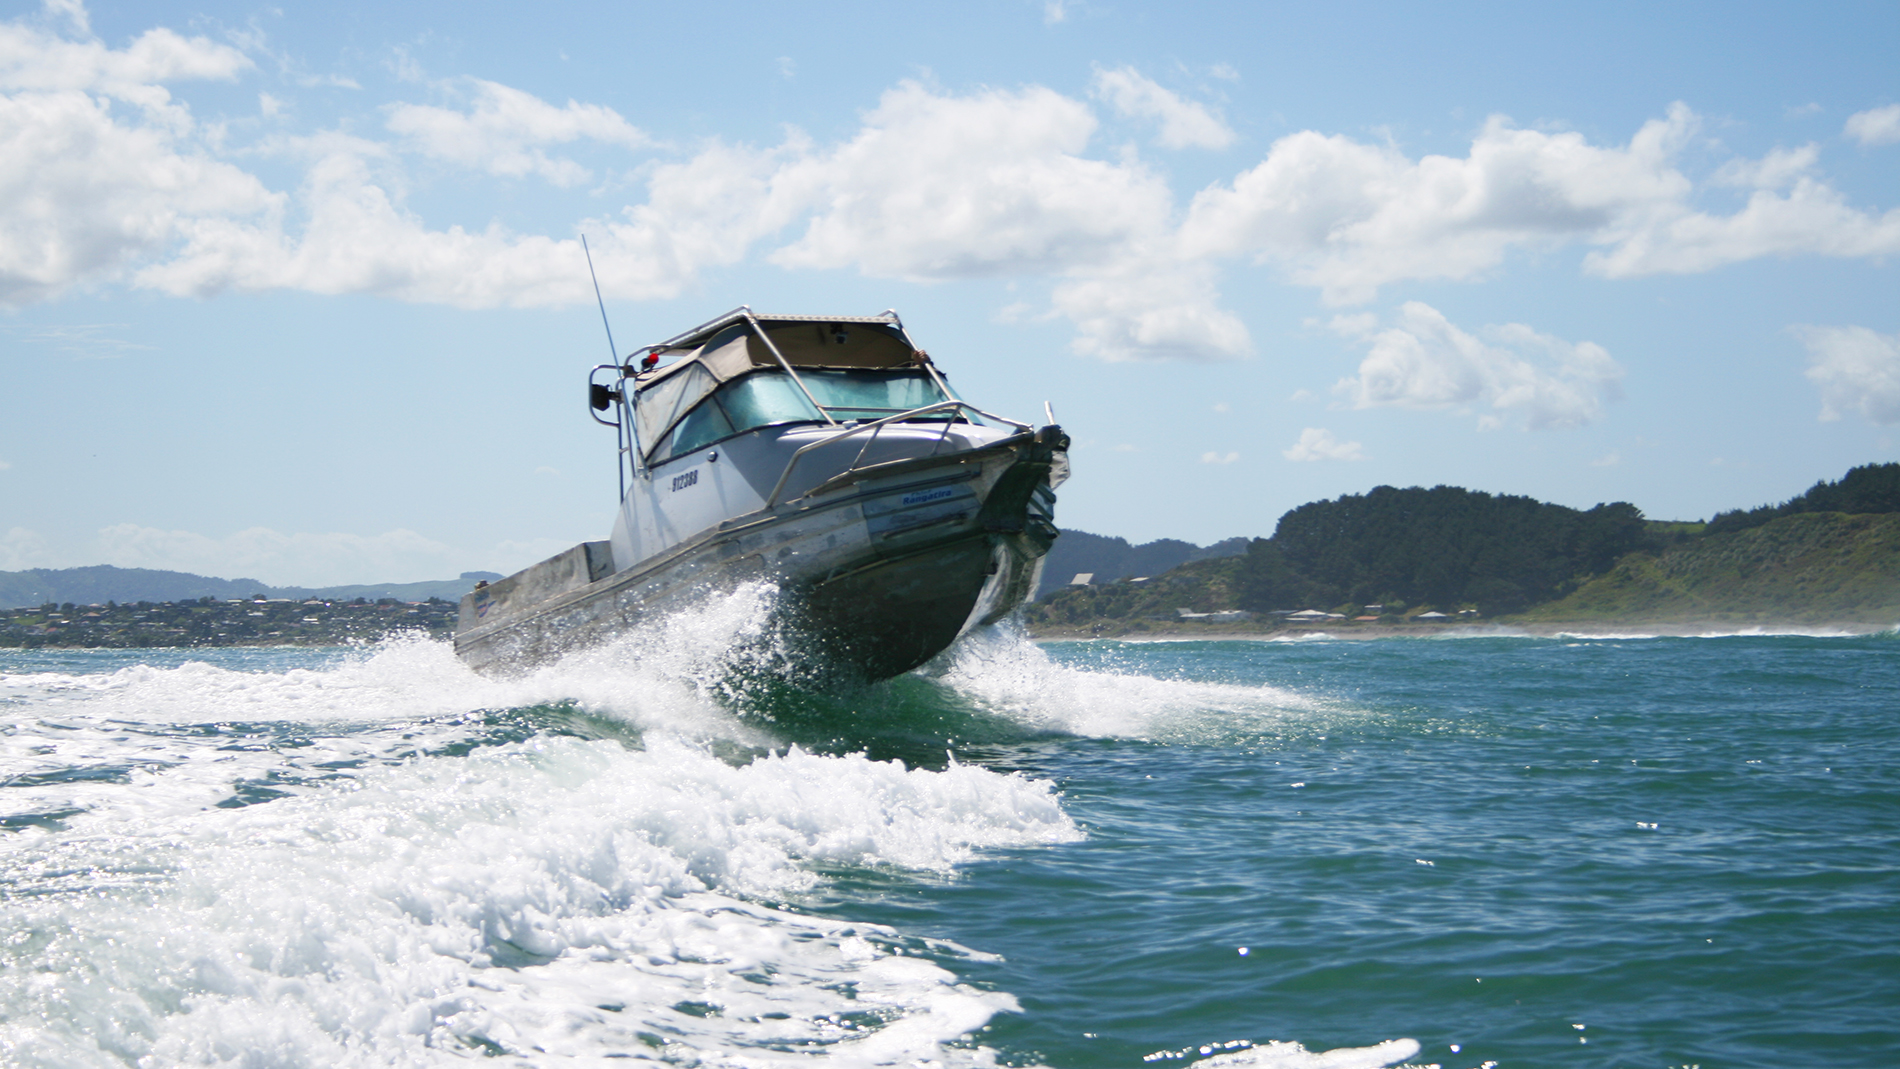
(1431, 616)
(1227, 616)
(1082, 579)
(1306, 614)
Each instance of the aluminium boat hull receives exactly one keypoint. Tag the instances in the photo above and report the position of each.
(881, 568)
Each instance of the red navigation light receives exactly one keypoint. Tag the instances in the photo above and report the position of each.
(651, 359)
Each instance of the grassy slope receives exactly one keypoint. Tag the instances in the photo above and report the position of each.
(1819, 567)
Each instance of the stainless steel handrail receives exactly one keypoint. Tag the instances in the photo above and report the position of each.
(941, 406)
(759, 332)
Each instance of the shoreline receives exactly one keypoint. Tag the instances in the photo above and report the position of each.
(1171, 631)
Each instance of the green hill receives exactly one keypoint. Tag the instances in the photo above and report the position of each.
(1509, 558)
(1446, 546)
(1812, 567)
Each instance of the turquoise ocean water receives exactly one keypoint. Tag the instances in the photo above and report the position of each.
(1481, 850)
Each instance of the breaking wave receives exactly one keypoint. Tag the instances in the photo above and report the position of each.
(595, 860)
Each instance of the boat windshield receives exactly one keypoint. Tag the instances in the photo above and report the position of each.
(873, 395)
(765, 398)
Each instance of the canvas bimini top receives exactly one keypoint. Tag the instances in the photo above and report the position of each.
(742, 371)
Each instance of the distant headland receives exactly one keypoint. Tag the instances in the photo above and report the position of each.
(103, 582)
(106, 607)
(1409, 561)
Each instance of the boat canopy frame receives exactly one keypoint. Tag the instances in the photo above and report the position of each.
(724, 355)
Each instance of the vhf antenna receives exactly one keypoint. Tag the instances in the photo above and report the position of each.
(621, 432)
(614, 350)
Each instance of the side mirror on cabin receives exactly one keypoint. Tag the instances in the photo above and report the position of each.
(600, 396)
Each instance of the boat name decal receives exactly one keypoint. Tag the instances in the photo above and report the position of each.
(924, 497)
(681, 482)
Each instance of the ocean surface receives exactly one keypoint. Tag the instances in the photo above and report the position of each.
(1475, 851)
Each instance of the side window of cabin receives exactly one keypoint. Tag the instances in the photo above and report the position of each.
(760, 399)
(663, 405)
(702, 426)
(765, 398)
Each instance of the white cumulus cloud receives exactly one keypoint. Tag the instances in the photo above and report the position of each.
(1423, 361)
(1811, 218)
(357, 239)
(84, 195)
(105, 176)
(1148, 311)
(1857, 369)
(1184, 123)
(1219, 458)
(34, 59)
(504, 132)
(1318, 443)
(86, 190)
(1777, 170)
(938, 186)
(1875, 126)
(1350, 217)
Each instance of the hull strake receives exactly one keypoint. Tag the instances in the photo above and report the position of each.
(880, 571)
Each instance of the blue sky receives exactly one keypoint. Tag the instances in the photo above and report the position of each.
(296, 292)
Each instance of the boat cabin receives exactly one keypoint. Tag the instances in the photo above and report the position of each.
(742, 372)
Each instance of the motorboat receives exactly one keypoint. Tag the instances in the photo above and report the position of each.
(828, 455)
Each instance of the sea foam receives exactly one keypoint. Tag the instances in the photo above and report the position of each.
(1003, 672)
(351, 865)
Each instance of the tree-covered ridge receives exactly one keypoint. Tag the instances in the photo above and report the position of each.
(1870, 489)
(1446, 546)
